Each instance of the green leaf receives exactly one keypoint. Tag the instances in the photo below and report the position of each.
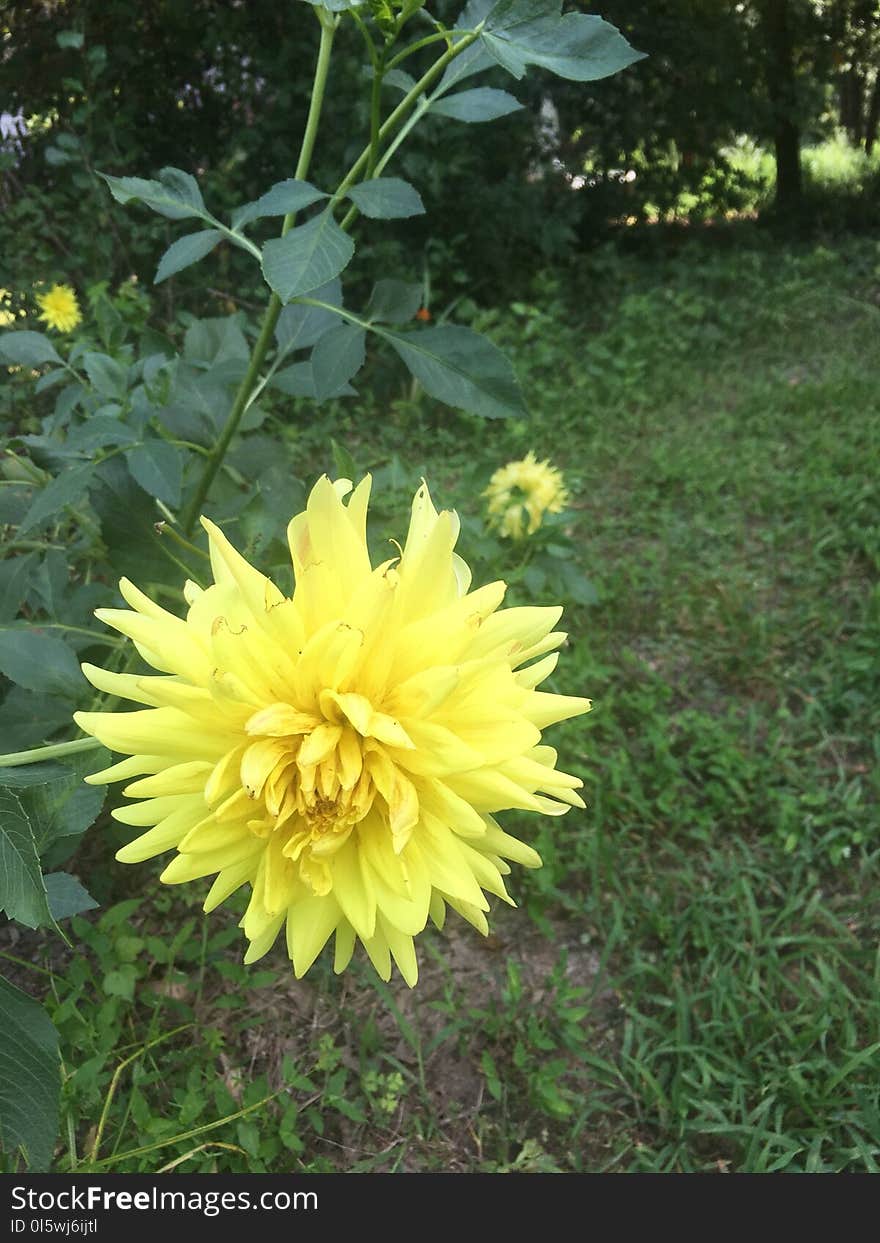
(157, 467)
(336, 6)
(28, 349)
(22, 892)
(484, 103)
(343, 461)
(299, 327)
(128, 519)
(462, 369)
(67, 897)
(394, 301)
(583, 48)
(30, 1078)
(50, 379)
(306, 257)
(40, 662)
(28, 718)
(337, 357)
(578, 46)
(387, 198)
(282, 199)
(121, 981)
(213, 341)
(400, 80)
(109, 378)
(299, 381)
(15, 581)
(296, 380)
(186, 251)
(67, 401)
(69, 38)
(56, 800)
(66, 488)
(175, 195)
(473, 59)
(100, 430)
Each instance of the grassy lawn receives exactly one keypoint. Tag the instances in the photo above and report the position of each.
(691, 982)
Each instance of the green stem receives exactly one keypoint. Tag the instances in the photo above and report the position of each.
(375, 113)
(441, 35)
(273, 310)
(165, 528)
(49, 752)
(394, 119)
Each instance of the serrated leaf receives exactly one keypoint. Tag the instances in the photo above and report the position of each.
(399, 79)
(55, 797)
(583, 48)
(27, 349)
(67, 897)
(299, 381)
(30, 1078)
(473, 59)
(307, 257)
(109, 378)
(483, 103)
(40, 662)
(282, 199)
(343, 461)
(28, 718)
(66, 488)
(186, 251)
(175, 195)
(128, 516)
(578, 46)
(336, 6)
(15, 577)
(462, 369)
(66, 402)
(299, 327)
(100, 430)
(336, 359)
(296, 380)
(157, 467)
(50, 379)
(22, 892)
(121, 981)
(393, 301)
(387, 198)
(213, 341)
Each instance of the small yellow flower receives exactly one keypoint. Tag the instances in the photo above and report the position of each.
(342, 752)
(520, 493)
(59, 308)
(7, 317)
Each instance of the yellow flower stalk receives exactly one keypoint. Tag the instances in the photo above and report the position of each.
(520, 493)
(344, 751)
(59, 308)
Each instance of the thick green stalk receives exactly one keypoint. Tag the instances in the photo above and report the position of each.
(273, 310)
(50, 752)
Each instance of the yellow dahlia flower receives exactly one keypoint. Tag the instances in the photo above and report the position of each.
(343, 751)
(59, 308)
(520, 493)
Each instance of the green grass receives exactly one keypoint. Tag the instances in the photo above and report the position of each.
(691, 982)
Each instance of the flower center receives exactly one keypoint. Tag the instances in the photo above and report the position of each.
(310, 776)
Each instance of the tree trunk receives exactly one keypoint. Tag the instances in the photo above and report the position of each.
(872, 120)
(783, 102)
